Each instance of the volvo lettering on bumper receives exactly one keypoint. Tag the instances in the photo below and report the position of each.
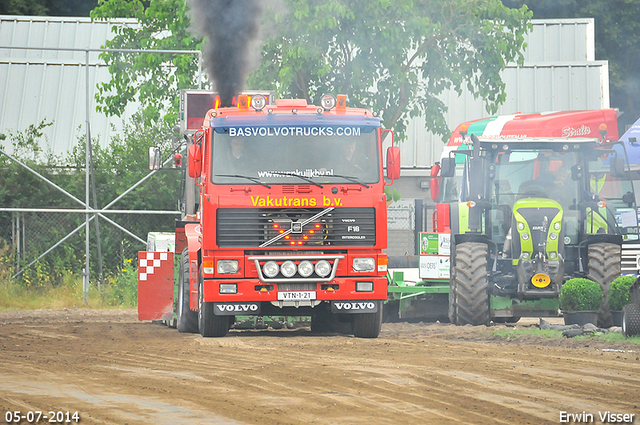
(232, 309)
(354, 306)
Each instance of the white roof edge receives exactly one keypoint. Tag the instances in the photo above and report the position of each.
(33, 18)
(563, 21)
(581, 64)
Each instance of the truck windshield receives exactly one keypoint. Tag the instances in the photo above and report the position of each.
(280, 155)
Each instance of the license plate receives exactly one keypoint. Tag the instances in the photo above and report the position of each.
(296, 295)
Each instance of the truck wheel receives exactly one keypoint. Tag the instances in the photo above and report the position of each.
(471, 303)
(322, 320)
(187, 321)
(368, 325)
(208, 323)
(631, 319)
(604, 267)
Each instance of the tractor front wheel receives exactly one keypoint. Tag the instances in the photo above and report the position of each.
(604, 267)
(470, 303)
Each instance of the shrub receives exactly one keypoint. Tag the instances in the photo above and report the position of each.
(619, 292)
(580, 295)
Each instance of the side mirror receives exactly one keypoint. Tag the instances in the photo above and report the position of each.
(617, 166)
(195, 161)
(435, 183)
(448, 167)
(393, 162)
(155, 160)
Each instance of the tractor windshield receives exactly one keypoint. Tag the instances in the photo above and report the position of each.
(540, 173)
(296, 155)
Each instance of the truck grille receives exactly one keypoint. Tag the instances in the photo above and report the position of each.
(253, 227)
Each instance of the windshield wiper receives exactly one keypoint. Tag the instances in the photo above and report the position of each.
(253, 179)
(301, 177)
(351, 179)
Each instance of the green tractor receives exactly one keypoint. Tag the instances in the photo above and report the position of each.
(526, 215)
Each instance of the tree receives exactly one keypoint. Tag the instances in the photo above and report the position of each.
(617, 40)
(47, 7)
(395, 57)
(152, 79)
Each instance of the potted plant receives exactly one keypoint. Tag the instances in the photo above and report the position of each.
(580, 300)
(619, 296)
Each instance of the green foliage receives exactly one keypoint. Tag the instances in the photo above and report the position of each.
(580, 295)
(122, 288)
(392, 194)
(396, 57)
(619, 295)
(47, 7)
(153, 79)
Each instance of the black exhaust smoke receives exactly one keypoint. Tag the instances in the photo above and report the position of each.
(231, 30)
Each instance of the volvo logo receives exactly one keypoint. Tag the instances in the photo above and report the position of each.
(296, 227)
(236, 308)
(354, 306)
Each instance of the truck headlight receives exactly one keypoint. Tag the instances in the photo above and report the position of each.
(227, 266)
(323, 268)
(305, 268)
(270, 269)
(364, 265)
(288, 268)
(228, 288)
(364, 286)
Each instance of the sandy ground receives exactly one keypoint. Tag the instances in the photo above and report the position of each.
(112, 369)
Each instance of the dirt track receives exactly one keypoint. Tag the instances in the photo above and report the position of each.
(115, 370)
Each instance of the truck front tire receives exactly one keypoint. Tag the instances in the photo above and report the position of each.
(209, 324)
(187, 321)
(368, 325)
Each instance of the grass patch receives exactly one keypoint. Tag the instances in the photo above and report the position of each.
(515, 333)
(611, 337)
(518, 332)
(120, 291)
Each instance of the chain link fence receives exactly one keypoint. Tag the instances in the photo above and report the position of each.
(27, 235)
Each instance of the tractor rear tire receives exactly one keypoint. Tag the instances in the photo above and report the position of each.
(603, 267)
(209, 324)
(471, 303)
(368, 325)
(187, 320)
(631, 319)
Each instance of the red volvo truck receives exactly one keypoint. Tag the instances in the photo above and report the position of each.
(290, 220)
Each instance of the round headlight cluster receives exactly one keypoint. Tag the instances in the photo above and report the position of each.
(289, 268)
